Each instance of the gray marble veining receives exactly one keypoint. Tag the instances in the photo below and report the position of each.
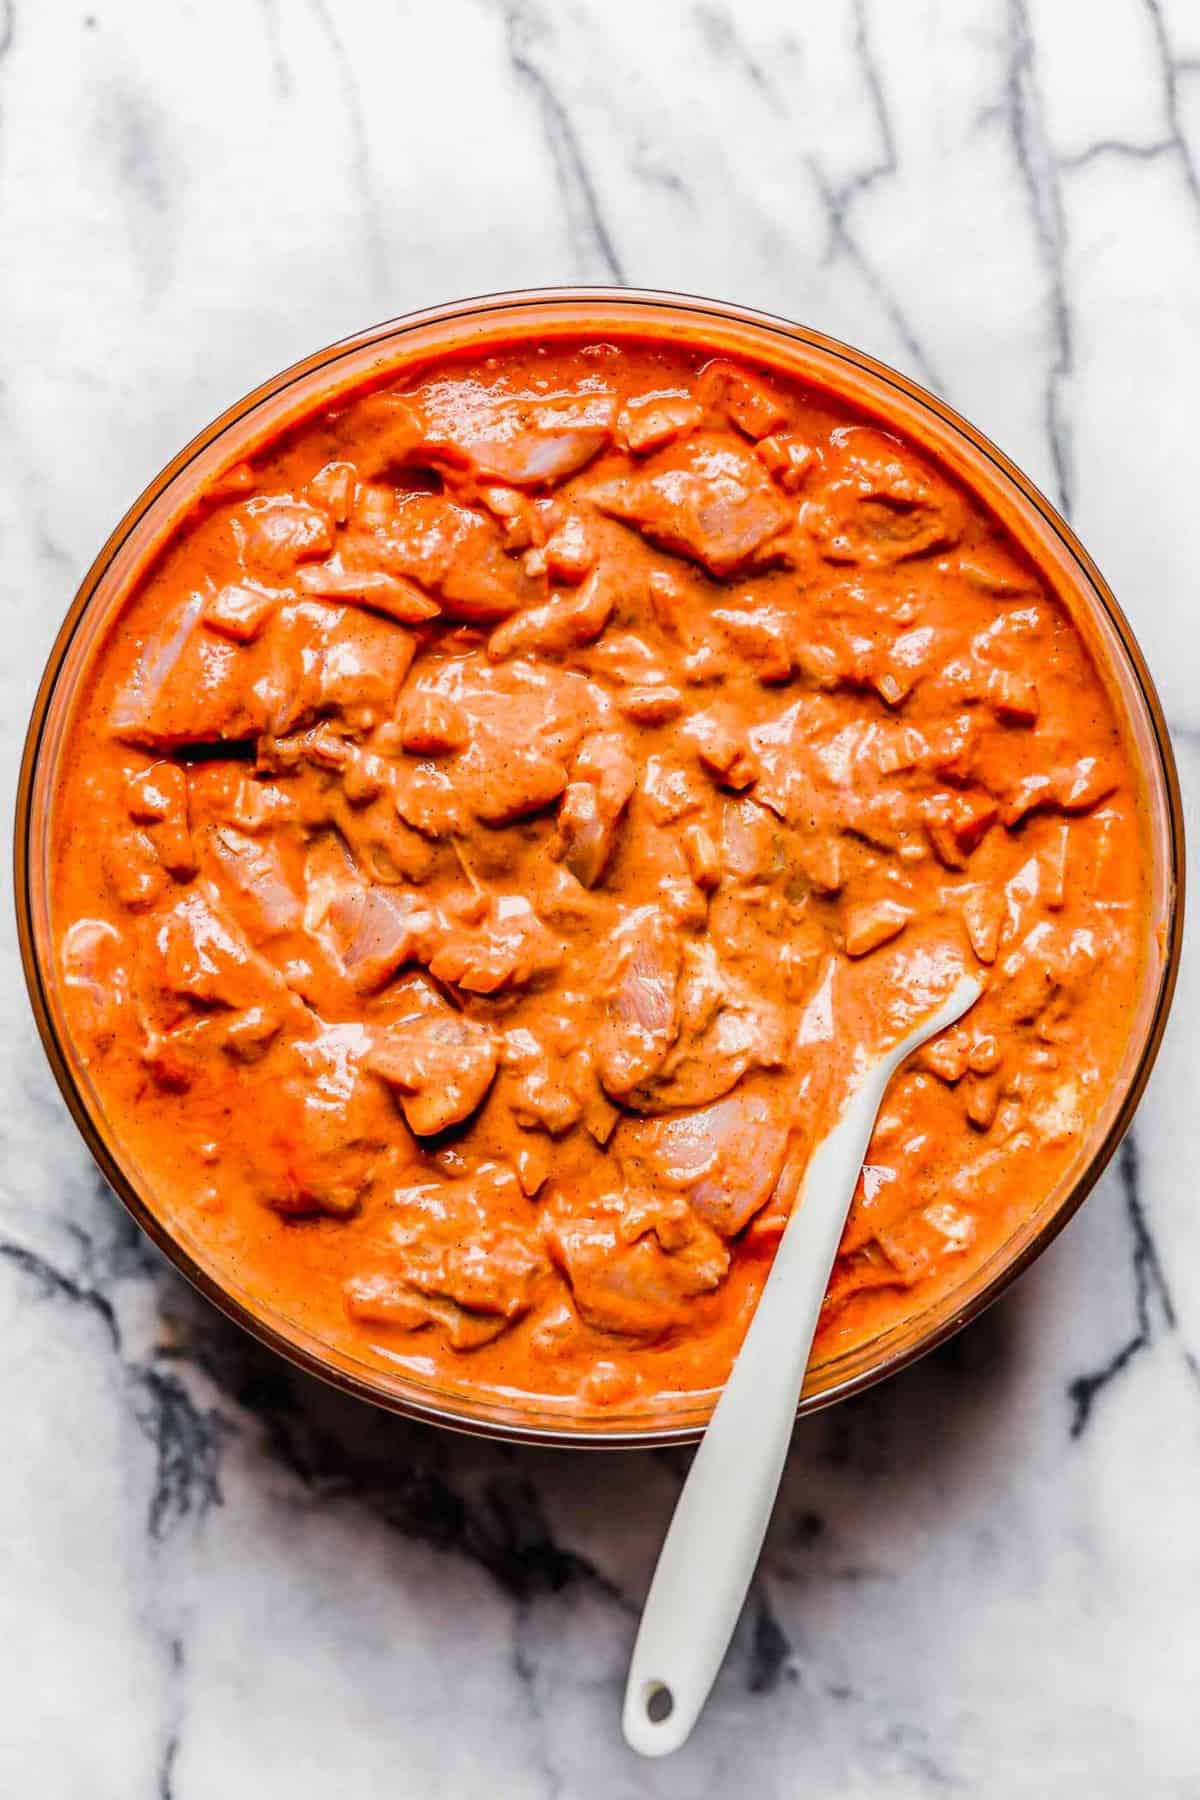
(218, 1578)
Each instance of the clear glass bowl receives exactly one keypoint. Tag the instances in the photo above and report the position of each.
(547, 314)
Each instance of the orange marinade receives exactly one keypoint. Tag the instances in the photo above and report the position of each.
(486, 840)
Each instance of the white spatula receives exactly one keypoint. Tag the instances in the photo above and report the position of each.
(721, 1519)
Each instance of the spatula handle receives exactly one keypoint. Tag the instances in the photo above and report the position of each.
(712, 1546)
(711, 1549)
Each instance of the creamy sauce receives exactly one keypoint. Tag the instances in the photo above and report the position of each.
(494, 829)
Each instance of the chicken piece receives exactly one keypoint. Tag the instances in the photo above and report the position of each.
(245, 1036)
(946, 1056)
(315, 1149)
(570, 552)
(993, 572)
(188, 687)
(436, 555)
(180, 1057)
(259, 892)
(1014, 698)
(523, 720)
(640, 973)
(586, 832)
(982, 1101)
(540, 1103)
(350, 579)
(790, 460)
(749, 840)
(784, 749)
(312, 661)
(743, 398)
(600, 1116)
(239, 610)
(275, 532)
(702, 857)
(357, 667)
(508, 948)
(528, 440)
(861, 1272)
(429, 799)
(956, 824)
(1054, 886)
(984, 1056)
(761, 634)
(364, 778)
(433, 724)
(899, 748)
(722, 749)
(907, 659)
(983, 915)
(521, 524)
(566, 621)
(1083, 784)
(872, 923)
(441, 1066)
(320, 747)
(879, 505)
(1075, 788)
(331, 880)
(231, 483)
(522, 781)
(542, 1093)
(156, 793)
(157, 798)
(455, 554)
(652, 420)
(724, 1028)
(672, 792)
(92, 957)
(657, 703)
(593, 804)
(332, 489)
(382, 1298)
(887, 818)
(533, 1162)
(706, 498)
(726, 1157)
(625, 658)
(1052, 961)
(377, 932)
(951, 749)
(634, 1262)
(391, 851)
(453, 1254)
(1034, 792)
(225, 789)
(822, 862)
(361, 919)
(831, 654)
(196, 961)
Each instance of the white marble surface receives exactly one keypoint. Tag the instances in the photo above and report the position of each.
(216, 1579)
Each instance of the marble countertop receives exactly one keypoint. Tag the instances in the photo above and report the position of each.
(215, 1576)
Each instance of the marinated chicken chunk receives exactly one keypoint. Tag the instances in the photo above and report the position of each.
(726, 1157)
(449, 1258)
(709, 499)
(441, 1065)
(634, 1263)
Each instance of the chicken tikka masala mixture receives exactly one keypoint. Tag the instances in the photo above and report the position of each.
(487, 837)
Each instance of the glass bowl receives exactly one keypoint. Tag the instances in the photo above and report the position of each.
(477, 325)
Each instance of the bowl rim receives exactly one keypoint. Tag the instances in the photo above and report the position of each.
(581, 1434)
